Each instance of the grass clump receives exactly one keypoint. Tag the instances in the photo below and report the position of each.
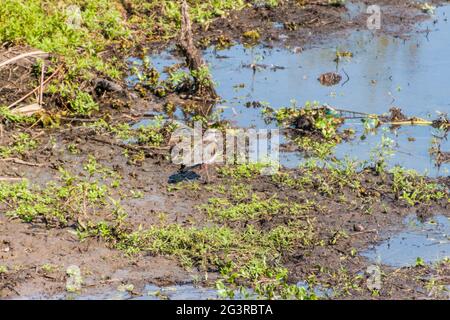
(22, 144)
(168, 22)
(154, 134)
(243, 171)
(46, 25)
(6, 116)
(254, 208)
(414, 189)
(251, 36)
(311, 120)
(243, 257)
(75, 199)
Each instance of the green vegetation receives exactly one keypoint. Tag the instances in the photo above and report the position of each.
(22, 143)
(154, 134)
(253, 208)
(79, 35)
(251, 37)
(246, 170)
(74, 199)
(242, 257)
(312, 118)
(178, 80)
(6, 116)
(414, 189)
(3, 269)
(336, 3)
(46, 26)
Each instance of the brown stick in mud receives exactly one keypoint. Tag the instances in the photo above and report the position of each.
(194, 59)
(35, 89)
(41, 85)
(19, 161)
(11, 179)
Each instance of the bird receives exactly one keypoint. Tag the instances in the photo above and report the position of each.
(207, 153)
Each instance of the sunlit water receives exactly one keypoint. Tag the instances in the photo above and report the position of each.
(385, 71)
(428, 241)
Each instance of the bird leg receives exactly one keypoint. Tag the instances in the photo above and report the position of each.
(205, 168)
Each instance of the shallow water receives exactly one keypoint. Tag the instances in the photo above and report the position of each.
(384, 71)
(429, 240)
(179, 292)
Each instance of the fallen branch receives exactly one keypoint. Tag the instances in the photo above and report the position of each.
(130, 147)
(28, 110)
(11, 179)
(363, 232)
(21, 56)
(19, 161)
(41, 85)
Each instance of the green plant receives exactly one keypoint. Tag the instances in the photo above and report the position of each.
(3, 269)
(420, 262)
(380, 154)
(75, 199)
(6, 115)
(409, 186)
(22, 143)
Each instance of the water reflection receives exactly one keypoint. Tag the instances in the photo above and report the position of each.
(383, 72)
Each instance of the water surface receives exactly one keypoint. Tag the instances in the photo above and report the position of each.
(385, 71)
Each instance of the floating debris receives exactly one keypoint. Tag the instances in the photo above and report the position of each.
(256, 66)
(330, 79)
(343, 54)
(254, 104)
(397, 114)
(442, 122)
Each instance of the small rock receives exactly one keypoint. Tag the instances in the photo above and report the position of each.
(358, 228)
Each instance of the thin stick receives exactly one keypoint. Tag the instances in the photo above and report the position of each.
(130, 147)
(362, 232)
(21, 56)
(18, 161)
(35, 89)
(41, 90)
(11, 179)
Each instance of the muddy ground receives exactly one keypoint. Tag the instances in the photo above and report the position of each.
(37, 254)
